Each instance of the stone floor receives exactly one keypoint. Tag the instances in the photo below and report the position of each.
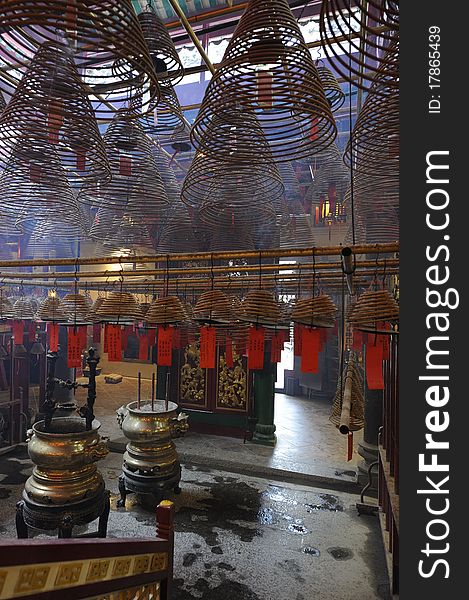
(309, 448)
(245, 538)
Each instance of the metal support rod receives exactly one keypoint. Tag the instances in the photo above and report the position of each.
(386, 248)
(365, 264)
(188, 27)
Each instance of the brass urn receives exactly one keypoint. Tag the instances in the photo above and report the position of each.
(65, 483)
(151, 463)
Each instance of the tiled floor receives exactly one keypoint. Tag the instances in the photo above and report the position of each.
(307, 443)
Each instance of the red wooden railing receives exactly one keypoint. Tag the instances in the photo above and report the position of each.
(105, 569)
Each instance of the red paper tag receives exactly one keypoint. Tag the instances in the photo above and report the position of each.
(81, 159)
(73, 348)
(165, 346)
(151, 337)
(349, 445)
(264, 89)
(18, 331)
(208, 347)
(229, 352)
(125, 165)
(374, 366)
(310, 350)
(114, 343)
(313, 136)
(143, 346)
(96, 333)
(276, 348)
(256, 346)
(106, 336)
(52, 330)
(55, 120)
(297, 339)
(83, 333)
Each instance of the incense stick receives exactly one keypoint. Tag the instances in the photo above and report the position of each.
(166, 401)
(153, 392)
(139, 389)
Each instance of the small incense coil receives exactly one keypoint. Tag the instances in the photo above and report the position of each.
(76, 306)
(51, 309)
(168, 65)
(104, 37)
(267, 68)
(260, 306)
(331, 177)
(6, 307)
(92, 315)
(315, 311)
(213, 306)
(119, 306)
(334, 94)
(355, 412)
(50, 106)
(374, 306)
(23, 310)
(165, 311)
(353, 39)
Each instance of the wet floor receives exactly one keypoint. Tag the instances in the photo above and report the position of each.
(245, 538)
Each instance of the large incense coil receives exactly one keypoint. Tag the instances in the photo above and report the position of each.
(260, 306)
(135, 176)
(23, 309)
(166, 61)
(106, 40)
(51, 309)
(356, 414)
(352, 43)
(166, 171)
(177, 232)
(213, 306)
(268, 68)
(334, 94)
(251, 179)
(119, 306)
(76, 306)
(316, 310)
(374, 306)
(166, 310)
(373, 147)
(331, 176)
(50, 106)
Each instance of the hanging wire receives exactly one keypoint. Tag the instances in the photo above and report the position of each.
(342, 339)
(352, 195)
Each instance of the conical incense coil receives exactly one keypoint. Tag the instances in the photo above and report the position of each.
(51, 309)
(177, 233)
(331, 177)
(374, 306)
(316, 310)
(104, 37)
(168, 65)
(92, 315)
(50, 106)
(119, 306)
(356, 410)
(373, 147)
(165, 119)
(213, 306)
(23, 309)
(260, 306)
(135, 176)
(352, 39)
(6, 307)
(334, 94)
(76, 306)
(166, 310)
(268, 68)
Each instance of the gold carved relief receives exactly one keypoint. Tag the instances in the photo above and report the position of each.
(192, 381)
(232, 384)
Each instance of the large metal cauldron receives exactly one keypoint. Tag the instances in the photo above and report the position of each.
(151, 464)
(66, 488)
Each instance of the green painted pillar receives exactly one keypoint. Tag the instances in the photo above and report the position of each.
(264, 394)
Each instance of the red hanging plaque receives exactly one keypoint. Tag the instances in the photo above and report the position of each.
(106, 336)
(114, 343)
(52, 330)
(73, 348)
(165, 345)
(297, 339)
(276, 348)
(143, 345)
(374, 366)
(256, 346)
(208, 347)
(310, 350)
